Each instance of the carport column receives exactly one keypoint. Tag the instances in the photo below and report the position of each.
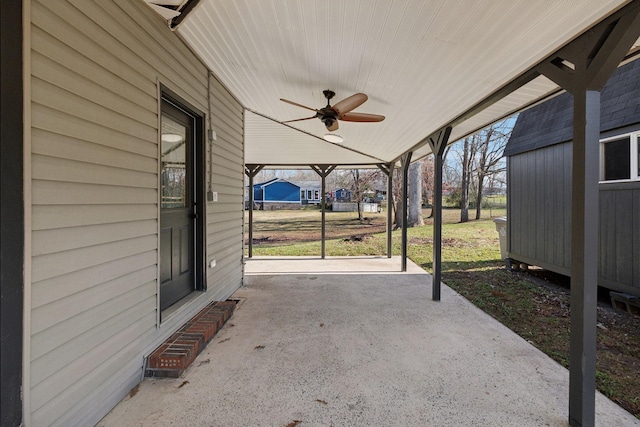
(323, 171)
(405, 160)
(582, 68)
(388, 171)
(438, 142)
(251, 171)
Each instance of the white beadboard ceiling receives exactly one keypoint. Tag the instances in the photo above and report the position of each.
(421, 62)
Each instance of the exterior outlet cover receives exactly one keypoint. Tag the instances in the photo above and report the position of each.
(215, 196)
(212, 263)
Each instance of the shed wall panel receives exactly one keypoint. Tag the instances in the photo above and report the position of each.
(619, 244)
(96, 67)
(539, 193)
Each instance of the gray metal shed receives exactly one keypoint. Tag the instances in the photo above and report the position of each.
(539, 183)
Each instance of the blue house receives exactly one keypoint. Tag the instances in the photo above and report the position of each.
(342, 195)
(280, 193)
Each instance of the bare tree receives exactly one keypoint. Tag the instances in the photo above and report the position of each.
(428, 181)
(468, 154)
(415, 195)
(428, 178)
(481, 160)
(359, 181)
(397, 198)
(492, 142)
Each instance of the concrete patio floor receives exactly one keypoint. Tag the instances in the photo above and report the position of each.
(355, 342)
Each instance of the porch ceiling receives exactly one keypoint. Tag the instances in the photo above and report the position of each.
(423, 65)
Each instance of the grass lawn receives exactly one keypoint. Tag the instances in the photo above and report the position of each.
(535, 304)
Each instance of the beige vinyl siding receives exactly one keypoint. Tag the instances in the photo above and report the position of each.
(224, 224)
(94, 153)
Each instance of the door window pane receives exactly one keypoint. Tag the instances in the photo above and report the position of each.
(617, 159)
(173, 164)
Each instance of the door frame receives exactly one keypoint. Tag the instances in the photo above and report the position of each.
(14, 208)
(199, 186)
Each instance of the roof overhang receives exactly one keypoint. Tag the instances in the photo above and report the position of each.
(425, 65)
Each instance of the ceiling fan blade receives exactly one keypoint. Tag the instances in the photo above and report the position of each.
(361, 117)
(334, 126)
(348, 104)
(297, 105)
(299, 120)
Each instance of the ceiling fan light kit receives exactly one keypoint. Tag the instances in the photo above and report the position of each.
(340, 111)
(333, 137)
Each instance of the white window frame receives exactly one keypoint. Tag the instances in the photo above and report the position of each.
(634, 141)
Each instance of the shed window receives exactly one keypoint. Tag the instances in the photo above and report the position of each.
(309, 194)
(617, 160)
(301, 194)
(316, 195)
(620, 158)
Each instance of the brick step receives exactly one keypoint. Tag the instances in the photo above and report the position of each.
(175, 355)
(625, 302)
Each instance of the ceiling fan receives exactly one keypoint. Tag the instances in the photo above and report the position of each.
(341, 111)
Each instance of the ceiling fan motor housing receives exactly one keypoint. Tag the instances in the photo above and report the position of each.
(328, 116)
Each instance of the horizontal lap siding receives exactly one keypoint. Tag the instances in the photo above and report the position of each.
(224, 217)
(95, 72)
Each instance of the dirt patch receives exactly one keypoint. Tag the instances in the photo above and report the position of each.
(278, 228)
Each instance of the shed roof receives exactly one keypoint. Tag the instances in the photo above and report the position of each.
(424, 65)
(551, 122)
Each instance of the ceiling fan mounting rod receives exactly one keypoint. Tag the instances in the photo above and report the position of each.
(328, 94)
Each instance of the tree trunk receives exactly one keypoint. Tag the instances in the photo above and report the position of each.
(397, 208)
(479, 195)
(360, 214)
(464, 190)
(415, 195)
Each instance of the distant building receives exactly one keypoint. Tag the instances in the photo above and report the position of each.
(279, 193)
(342, 195)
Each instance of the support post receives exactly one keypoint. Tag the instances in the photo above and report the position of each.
(388, 171)
(251, 171)
(438, 143)
(584, 257)
(405, 160)
(323, 171)
(582, 68)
